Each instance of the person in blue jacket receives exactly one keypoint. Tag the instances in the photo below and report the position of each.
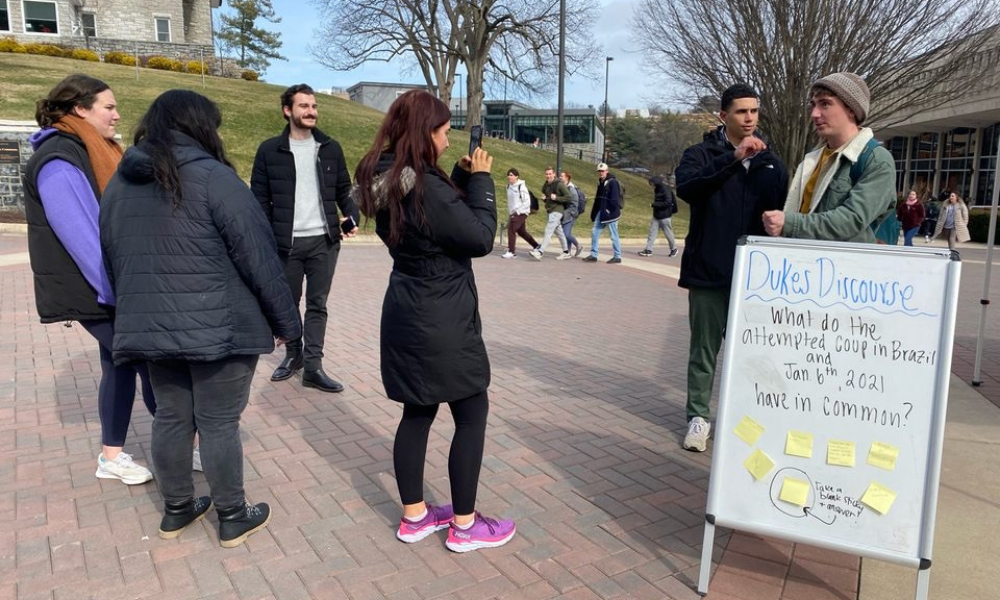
(75, 157)
(729, 180)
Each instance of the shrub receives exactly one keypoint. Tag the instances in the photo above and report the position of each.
(88, 55)
(194, 66)
(250, 75)
(162, 63)
(46, 50)
(979, 225)
(10, 45)
(119, 58)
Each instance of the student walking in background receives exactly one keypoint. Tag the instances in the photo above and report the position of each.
(75, 157)
(431, 333)
(202, 295)
(953, 221)
(573, 212)
(910, 213)
(518, 209)
(664, 206)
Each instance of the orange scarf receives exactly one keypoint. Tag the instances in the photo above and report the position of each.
(104, 154)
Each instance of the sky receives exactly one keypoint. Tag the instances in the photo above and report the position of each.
(628, 85)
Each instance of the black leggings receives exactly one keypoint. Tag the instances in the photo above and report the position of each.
(464, 459)
(117, 390)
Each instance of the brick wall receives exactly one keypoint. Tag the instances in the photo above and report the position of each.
(11, 190)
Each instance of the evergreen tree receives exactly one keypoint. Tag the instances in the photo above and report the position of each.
(255, 47)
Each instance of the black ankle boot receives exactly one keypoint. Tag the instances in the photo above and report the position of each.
(237, 523)
(178, 516)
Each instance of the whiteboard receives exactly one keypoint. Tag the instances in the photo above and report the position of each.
(833, 349)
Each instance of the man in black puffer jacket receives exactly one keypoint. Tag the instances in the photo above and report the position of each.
(300, 179)
(729, 180)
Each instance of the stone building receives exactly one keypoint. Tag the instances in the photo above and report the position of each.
(174, 28)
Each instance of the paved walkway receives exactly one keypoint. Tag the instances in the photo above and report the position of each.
(582, 450)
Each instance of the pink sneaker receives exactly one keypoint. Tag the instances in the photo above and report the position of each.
(438, 517)
(484, 533)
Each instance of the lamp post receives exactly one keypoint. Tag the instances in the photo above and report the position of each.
(604, 144)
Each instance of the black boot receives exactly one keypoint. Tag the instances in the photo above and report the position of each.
(178, 516)
(292, 363)
(237, 523)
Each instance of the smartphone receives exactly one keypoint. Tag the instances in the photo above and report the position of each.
(475, 138)
(348, 225)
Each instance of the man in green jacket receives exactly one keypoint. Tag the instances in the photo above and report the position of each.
(825, 202)
(557, 199)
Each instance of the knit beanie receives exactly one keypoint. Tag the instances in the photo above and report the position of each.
(851, 89)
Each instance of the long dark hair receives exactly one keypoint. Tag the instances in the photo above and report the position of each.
(181, 111)
(74, 90)
(405, 133)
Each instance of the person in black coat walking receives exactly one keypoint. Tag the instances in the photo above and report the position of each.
(201, 295)
(664, 206)
(431, 335)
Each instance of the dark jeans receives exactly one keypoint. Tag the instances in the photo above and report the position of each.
(214, 394)
(708, 310)
(465, 458)
(517, 225)
(909, 234)
(568, 232)
(116, 394)
(315, 259)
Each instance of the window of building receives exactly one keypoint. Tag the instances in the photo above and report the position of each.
(4, 16)
(89, 23)
(162, 29)
(40, 16)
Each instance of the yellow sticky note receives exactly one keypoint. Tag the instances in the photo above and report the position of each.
(879, 498)
(840, 453)
(759, 464)
(799, 443)
(883, 456)
(795, 491)
(749, 431)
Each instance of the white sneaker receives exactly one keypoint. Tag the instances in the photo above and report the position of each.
(508, 254)
(196, 460)
(564, 256)
(535, 254)
(122, 468)
(696, 439)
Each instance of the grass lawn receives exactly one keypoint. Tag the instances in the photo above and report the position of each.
(251, 113)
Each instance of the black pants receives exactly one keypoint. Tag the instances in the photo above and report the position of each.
(315, 259)
(116, 393)
(214, 394)
(465, 458)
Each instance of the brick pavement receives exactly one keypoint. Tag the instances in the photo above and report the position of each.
(582, 451)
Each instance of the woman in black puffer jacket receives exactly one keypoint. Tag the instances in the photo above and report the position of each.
(201, 294)
(431, 338)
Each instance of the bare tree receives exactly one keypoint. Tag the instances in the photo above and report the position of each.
(914, 54)
(516, 40)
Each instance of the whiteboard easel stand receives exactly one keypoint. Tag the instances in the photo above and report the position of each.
(922, 564)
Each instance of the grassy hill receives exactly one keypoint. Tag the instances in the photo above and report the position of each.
(251, 113)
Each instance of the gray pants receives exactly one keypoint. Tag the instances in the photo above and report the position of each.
(655, 225)
(554, 225)
(212, 395)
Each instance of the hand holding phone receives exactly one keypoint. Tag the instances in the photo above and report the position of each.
(475, 138)
(348, 225)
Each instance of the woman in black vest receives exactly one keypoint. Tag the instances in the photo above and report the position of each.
(75, 157)
(431, 338)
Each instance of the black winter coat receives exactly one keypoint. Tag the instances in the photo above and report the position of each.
(664, 203)
(198, 283)
(62, 293)
(273, 183)
(431, 342)
(727, 202)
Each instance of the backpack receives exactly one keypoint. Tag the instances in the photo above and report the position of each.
(887, 227)
(534, 201)
(581, 202)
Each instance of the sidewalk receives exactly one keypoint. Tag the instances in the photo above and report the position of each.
(582, 451)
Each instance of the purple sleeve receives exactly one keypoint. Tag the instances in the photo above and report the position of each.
(72, 211)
